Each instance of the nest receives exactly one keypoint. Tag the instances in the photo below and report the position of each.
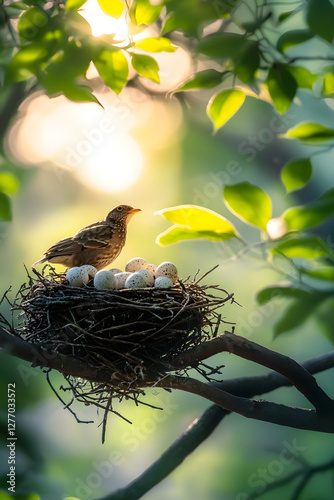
(132, 335)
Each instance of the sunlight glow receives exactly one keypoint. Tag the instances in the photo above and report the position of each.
(277, 227)
(101, 23)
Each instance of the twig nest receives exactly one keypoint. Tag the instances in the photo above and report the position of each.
(105, 280)
(163, 282)
(77, 276)
(135, 264)
(134, 281)
(167, 269)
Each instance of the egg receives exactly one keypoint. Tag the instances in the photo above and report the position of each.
(77, 277)
(134, 264)
(115, 270)
(152, 268)
(135, 281)
(90, 270)
(167, 269)
(105, 280)
(121, 279)
(147, 276)
(163, 282)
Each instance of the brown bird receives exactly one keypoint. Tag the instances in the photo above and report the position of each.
(97, 244)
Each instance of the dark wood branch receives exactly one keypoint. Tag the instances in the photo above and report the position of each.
(202, 427)
(298, 418)
(297, 375)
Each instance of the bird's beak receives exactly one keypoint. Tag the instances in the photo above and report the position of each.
(135, 210)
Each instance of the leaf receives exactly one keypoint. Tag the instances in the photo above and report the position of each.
(155, 44)
(224, 105)
(285, 15)
(146, 13)
(304, 78)
(203, 80)
(249, 203)
(328, 85)
(324, 273)
(304, 247)
(222, 45)
(80, 93)
(31, 23)
(113, 68)
(27, 62)
(5, 208)
(74, 4)
(292, 38)
(146, 66)
(299, 311)
(112, 8)
(8, 183)
(311, 214)
(194, 222)
(296, 174)
(281, 86)
(279, 291)
(320, 16)
(310, 132)
(247, 61)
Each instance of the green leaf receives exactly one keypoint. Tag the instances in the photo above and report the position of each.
(299, 311)
(304, 78)
(222, 45)
(31, 23)
(292, 38)
(304, 247)
(296, 173)
(146, 13)
(112, 8)
(310, 132)
(285, 15)
(281, 86)
(311, 214)
(74, 4)
(203, 80)
(224, 105)
(324, 273)
(113, 68)
(249, 203)
(27, 62)
(279, 291)
(155, 44)
(146, 66)
(80, 93)
(5, 208)
(193, 222)
(320, 18)
(328, 85)
(8, 183)
(247, 62)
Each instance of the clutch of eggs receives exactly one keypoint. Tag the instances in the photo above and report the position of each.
(138, 274)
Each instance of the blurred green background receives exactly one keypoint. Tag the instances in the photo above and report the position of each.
(70, 162)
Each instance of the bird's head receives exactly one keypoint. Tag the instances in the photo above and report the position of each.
(122, 213)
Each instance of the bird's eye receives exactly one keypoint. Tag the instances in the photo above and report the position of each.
(120, 208)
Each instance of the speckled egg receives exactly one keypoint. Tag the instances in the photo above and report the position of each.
(134, 264)
(77, 277)
(105, 280)
(167, 269)
(152, 268)
(90, 270)
(115, 270)
(147, 276)
(163, 282)
(121, 279)
(135, 281)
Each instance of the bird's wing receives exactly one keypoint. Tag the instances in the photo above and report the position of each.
(63, 247)
(96, 235)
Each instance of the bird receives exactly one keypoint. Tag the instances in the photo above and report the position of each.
(97, 244)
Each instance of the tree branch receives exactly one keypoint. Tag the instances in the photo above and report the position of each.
(297, 375)
(202, 427)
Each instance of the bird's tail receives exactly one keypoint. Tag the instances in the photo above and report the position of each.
(40, 261)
